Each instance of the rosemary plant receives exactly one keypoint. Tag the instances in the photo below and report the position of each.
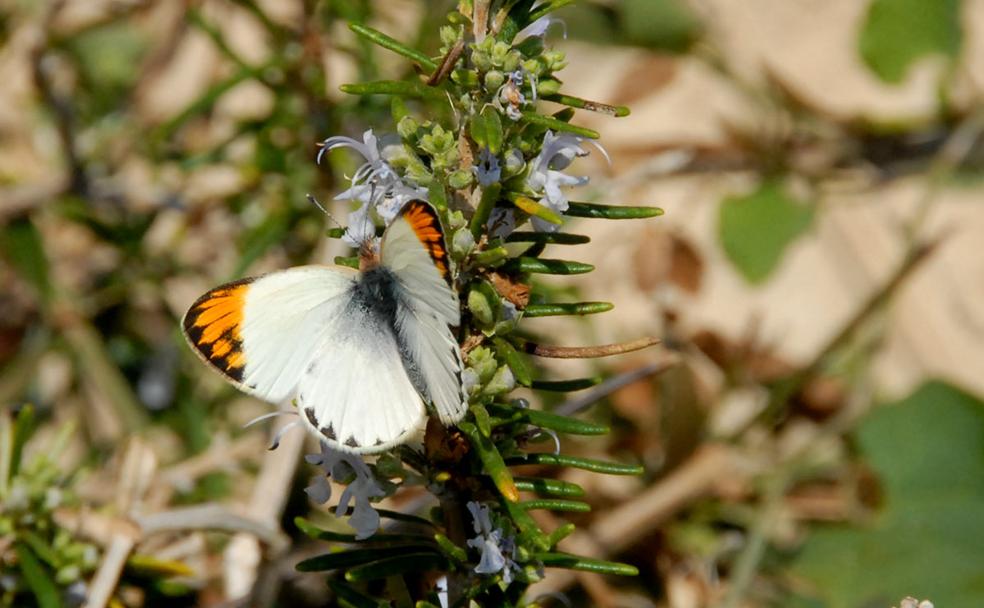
(471, 139)
(39, 558)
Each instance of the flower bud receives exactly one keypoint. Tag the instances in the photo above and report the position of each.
(466, 78)
(450, 35)
(460, 179)
(494, 80)
(548, 86)
(502, 382)
(481, 60)
(483, 363)
(407, 128)
(462, 243)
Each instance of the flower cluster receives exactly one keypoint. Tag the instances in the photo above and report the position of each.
(362, 486)
(498, 551)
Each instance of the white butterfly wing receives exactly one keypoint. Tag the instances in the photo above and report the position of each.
(356, 391)
(257, 331)
(300, 334)
(414, 250)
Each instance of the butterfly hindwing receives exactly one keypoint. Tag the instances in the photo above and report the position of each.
(356, 392)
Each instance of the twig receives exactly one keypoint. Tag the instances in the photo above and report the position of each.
(242, 557)
(60, 109)
(606, 388)
(447, 63)
(210, 517)
(480, 19)
(751, 555)
(793, 383)
(137, 471)
(588, 352)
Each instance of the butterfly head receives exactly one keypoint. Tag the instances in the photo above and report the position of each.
(369, 257)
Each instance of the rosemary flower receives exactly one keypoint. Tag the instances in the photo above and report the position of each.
(376, 185)
(364, 519)
(497, 550)
(546, 175)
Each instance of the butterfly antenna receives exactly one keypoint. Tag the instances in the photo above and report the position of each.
(331, 218)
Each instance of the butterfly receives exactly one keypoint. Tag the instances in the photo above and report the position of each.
(360, 352)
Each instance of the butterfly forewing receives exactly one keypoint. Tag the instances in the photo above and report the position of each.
(414, 250)
(214, 324)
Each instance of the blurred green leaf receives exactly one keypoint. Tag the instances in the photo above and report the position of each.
(898, 32)
(37, 578)
(756, 228)
(353, 557)
(350, 596)
(574, 562)
(21, 246)
(486, 129)
(611, 212)
(550, 487)
(400, 564)
(929, 452)
(517, 362)
(109, 59)
(667, 25)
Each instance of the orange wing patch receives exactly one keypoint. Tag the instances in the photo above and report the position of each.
(213, 325)
(427, 226)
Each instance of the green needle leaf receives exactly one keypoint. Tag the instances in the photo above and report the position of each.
(313, 531)
(588, 464)
(611, 212)
(545, 266)
(349, 596)
(560, 534)
(574, 562)
(350, 261)
(566, 386)
(551, 487)
(530, 206)
(515, 360)
(556, 504)
(450, 549)
(405, 88)
(386, 42)
(576, 308)
(486, 129)
(412, 562)
(491, 257)
(548, 238)
(584, 104)
(492, 462)
(40, 583)
(558, 125)
(356, 557)
(490, 195)
(546, 420)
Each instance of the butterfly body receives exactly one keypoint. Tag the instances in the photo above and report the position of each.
(359, 353)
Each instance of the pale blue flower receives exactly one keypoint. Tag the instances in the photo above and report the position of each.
(546, 176)
(501, 222)
(497, 552)
(376, 185)
(340, 465)
(487, 170)
(539, 28)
